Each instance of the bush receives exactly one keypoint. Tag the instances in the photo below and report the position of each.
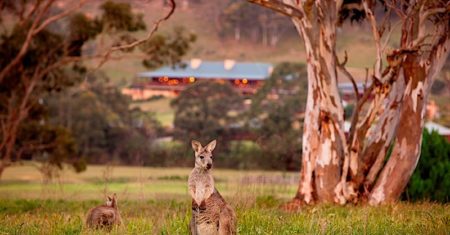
(431, 179)
(276, 117)
(207, 110)
(170, 154)
(241, 155)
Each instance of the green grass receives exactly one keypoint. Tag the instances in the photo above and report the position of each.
(261, 216)
(155, 201)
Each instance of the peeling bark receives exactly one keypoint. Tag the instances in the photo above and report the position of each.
(405, 154)
(311, 127)
(419, 74)
(310, 136)
(322, 148)
(380, 137)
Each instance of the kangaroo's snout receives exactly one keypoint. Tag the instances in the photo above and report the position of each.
(208, 166)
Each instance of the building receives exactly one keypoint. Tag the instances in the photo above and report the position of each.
(440, 129)
(170, 80)
(246, 77)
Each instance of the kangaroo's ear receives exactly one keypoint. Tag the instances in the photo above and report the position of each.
(114, 200)
(109, 201)
(210, 147)
(196, 146)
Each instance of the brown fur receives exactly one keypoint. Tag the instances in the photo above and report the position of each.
(104, 216)
(213, 216)
(210, 213)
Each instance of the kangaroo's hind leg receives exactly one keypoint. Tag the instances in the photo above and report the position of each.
(227, 223)
(225, 226)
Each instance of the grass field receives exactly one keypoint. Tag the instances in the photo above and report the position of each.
(155, 201)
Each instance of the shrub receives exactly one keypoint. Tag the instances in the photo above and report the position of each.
(431, 179)
(241, 155)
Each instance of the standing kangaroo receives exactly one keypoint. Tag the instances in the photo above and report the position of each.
(104, 216)
(210, 213)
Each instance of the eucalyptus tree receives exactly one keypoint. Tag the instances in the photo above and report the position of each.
(339, 168)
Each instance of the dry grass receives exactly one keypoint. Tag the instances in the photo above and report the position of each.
(137, 183)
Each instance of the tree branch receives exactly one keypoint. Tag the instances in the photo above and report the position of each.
(397, 10)
(32, 11)
(35, 29)
(388, 36)
(355, 115)
(138, 42)
(423, 16)
(376, 37)
(280, 7)
(59, 16)
(344, 70)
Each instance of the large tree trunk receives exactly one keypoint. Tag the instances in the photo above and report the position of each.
(379, 139)
(322, 139)
(419, 74)
(405, 154)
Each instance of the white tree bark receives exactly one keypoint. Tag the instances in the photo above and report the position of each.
(419, 74)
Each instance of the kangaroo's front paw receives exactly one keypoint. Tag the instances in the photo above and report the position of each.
(194, 205)
(202, 206)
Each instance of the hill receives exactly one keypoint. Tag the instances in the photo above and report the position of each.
(204, 21)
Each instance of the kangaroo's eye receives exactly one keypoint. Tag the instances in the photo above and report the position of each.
(201, 157)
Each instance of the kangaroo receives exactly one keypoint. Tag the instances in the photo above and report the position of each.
(211, 215)
(104, 216)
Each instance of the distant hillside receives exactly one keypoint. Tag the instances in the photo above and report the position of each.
(203, 20)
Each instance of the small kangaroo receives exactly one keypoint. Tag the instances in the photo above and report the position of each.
(210, 213)
(104, 216)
